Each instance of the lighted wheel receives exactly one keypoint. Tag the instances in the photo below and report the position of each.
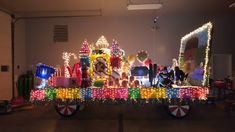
(179, 111)
(67, 110)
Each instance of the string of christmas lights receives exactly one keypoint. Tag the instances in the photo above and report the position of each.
(119, 93)
(66, 56)
(205, 28)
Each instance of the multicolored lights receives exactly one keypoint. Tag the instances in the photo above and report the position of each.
(119, 93)
(102, 43)
(109, 76)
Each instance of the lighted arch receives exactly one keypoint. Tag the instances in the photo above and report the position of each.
(207, 29)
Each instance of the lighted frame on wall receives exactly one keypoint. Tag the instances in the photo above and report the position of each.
(206, 28)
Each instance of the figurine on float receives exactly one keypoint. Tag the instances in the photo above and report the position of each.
(165, 78)
(179, 75)
(196, 76)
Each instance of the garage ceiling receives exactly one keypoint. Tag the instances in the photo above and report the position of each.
(112, 7)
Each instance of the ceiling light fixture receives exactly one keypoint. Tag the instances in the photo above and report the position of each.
(147, 6)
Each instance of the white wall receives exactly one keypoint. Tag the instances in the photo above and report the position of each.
(20, 51)
(5, 56)
(20, 48)
(133, 33)
(222, 66)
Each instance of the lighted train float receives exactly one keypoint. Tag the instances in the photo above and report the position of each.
(103, 75)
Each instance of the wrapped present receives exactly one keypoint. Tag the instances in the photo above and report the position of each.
(66, 82)
(200, 93)
(61, 93)
(72, 93)
(37, 95)
(67, 93)
(85, 93)
(145, 93)
(110, 93)
(121, 93)
(133, 93)
(172, 93)
(97, 93)
(160, 92)
(50, 93)
(186, 93)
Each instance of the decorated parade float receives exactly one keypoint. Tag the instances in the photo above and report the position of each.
(103, 74)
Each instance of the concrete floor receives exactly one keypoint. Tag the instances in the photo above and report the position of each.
(117, 119)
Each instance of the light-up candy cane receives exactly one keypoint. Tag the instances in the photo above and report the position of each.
(66, 57)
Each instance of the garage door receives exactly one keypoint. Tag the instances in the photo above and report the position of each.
(5, 57)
